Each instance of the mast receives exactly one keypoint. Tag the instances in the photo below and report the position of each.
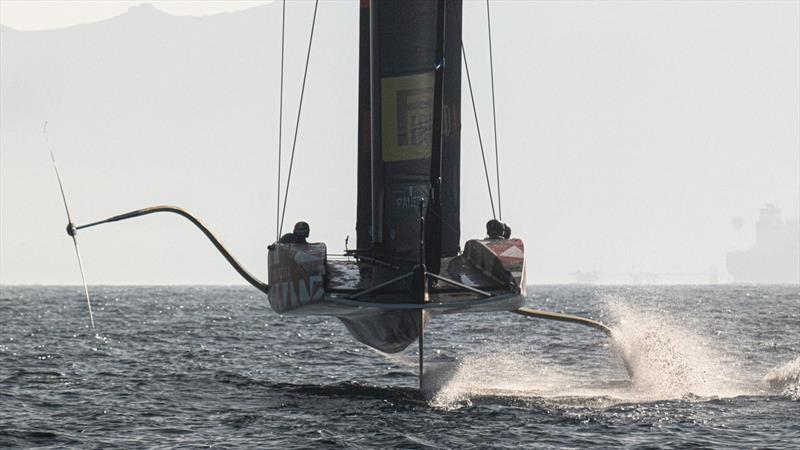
(451, 131)
(376, 167)
(433, 221)
(364, 190)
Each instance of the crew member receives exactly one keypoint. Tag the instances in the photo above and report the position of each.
(298, 236)
(495, 229)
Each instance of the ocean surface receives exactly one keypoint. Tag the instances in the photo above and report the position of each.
(714, 366)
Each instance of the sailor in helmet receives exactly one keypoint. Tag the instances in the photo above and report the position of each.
(298, 236)
(497, 230)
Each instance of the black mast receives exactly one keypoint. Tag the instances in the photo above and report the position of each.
(433, 221)
(450, 189)
(364, 191)
(376, 166)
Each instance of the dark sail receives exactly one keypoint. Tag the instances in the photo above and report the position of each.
(399, 125)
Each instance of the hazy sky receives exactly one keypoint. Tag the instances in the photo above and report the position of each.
(631, 133)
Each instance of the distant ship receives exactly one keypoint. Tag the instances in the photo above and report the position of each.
(775, 258)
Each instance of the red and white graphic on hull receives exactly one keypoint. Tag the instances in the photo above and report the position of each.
(510, 252)
(499, 258)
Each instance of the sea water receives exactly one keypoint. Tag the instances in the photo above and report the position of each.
(714, 366)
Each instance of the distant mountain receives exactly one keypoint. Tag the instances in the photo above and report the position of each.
(147, 108)
(144, 66)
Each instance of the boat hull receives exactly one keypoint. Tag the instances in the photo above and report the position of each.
(377, 305)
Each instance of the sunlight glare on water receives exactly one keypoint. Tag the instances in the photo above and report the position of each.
(716, 367)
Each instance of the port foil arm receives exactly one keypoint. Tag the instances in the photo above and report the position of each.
(258, 284)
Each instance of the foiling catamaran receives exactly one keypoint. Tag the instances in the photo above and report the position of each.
(408, 265)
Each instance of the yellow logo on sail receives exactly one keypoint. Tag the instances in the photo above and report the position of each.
(407, 117)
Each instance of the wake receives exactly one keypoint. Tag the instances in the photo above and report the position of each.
(669, 361)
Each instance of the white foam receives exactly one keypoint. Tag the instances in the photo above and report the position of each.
(784, 380)
(669, 360)
(494, 372)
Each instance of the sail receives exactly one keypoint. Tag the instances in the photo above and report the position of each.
(398, 87)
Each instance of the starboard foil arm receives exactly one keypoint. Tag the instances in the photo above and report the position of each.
(530, 312)
(258, 284)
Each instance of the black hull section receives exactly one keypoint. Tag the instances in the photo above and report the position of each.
(389, 332)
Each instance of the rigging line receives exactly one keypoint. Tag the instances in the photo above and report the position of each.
(280, 124)
(297, 124)
(477, 125)
(494, 112)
